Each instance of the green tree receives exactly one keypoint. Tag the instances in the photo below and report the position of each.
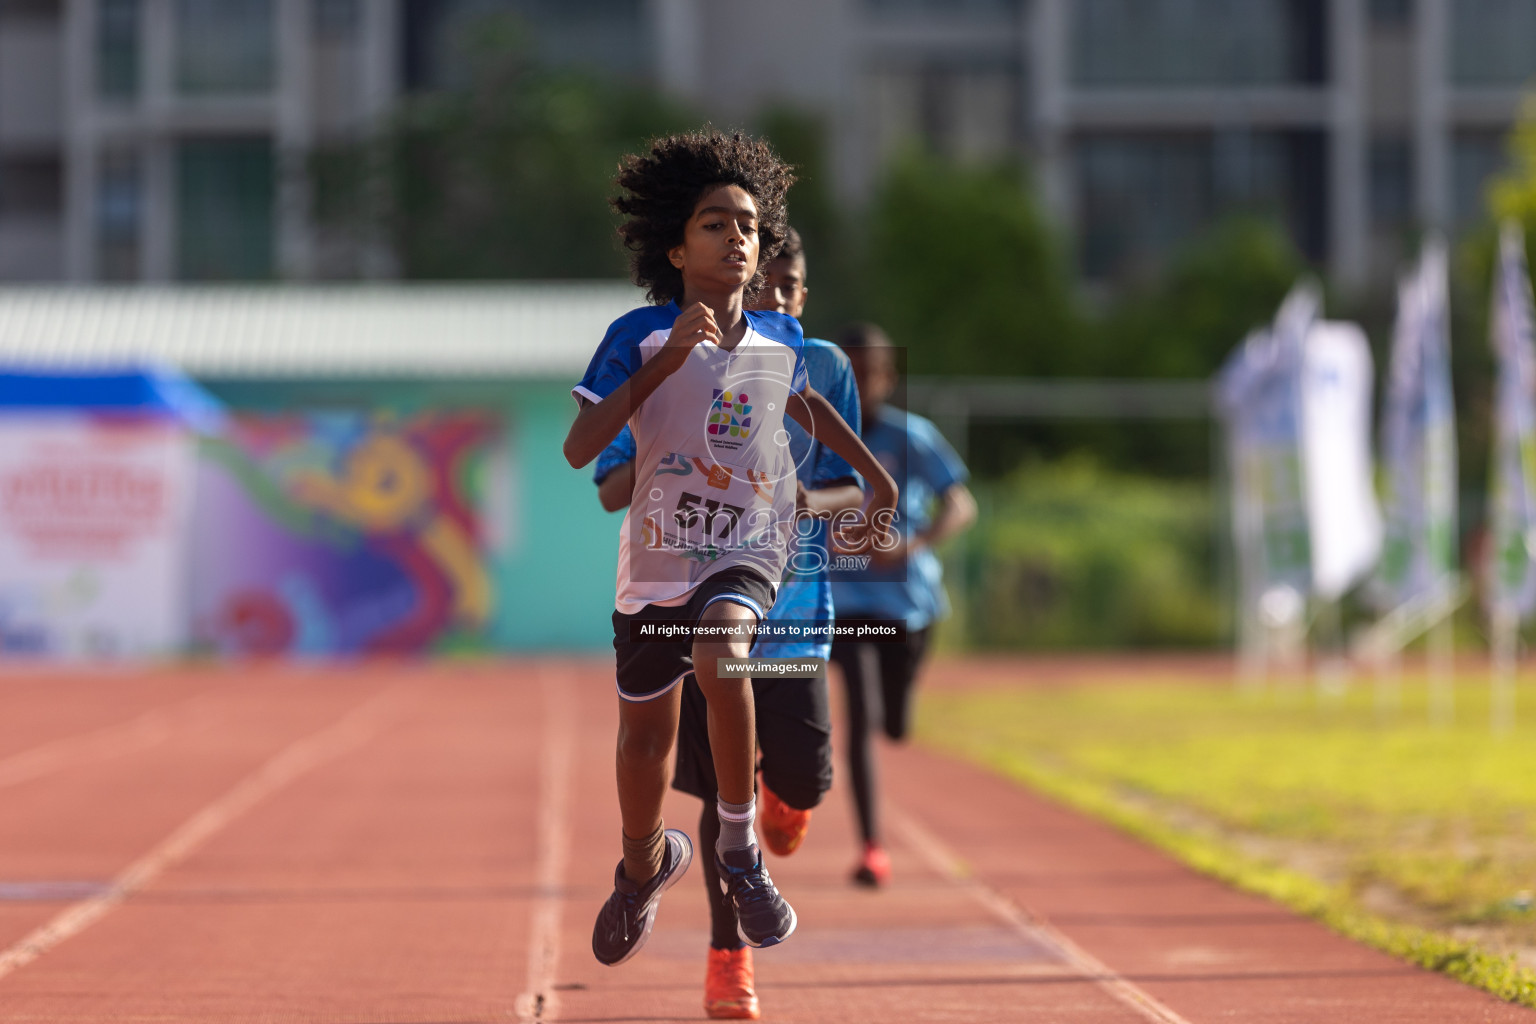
(1225, 282)
(507, 175)
(964, 272)
(833, 270)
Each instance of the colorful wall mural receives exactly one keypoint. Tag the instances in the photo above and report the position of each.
(344, 533)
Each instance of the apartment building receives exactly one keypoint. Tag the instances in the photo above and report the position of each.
(1353, 121)
(164, 140)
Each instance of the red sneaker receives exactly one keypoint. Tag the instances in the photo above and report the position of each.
(728, 993)
(874, 868)
(783, 826)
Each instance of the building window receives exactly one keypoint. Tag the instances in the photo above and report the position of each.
(1493, 42)
(1391, 13)
(336, 20)
(608, 36)
(224, 47)
(1476, 157)
(119, 215)
(946, 8)
(962, 109)
(31, 186)
(117, 49)
(1391, 181)
(1143, 194)
(1198, 42)
(225, 201)
(29, 10)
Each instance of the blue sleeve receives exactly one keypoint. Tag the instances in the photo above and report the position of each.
(932, 456)
(784, 329)
(840, 389)
(619, 451)
(615, 360)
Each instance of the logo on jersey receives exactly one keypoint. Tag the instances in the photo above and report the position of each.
(730, 414)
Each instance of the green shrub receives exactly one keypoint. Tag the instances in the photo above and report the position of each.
(1067, 555)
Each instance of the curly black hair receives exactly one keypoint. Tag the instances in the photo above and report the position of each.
(792, 248)
(662, 187)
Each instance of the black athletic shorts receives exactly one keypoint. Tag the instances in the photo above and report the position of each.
(648, 667)
(794, 740)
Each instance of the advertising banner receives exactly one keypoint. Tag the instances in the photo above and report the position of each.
(1418, 442)
(1512, 503)
(94, 514)
(1259, 394)
(1344, 523)
(344, 533)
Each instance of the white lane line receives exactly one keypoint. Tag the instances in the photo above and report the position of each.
(537, 1002)
(109, 741)
(943, 860)
(289, 764)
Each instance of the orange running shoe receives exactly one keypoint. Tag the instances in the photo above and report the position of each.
(728, 993)
(874, 868)
(783, 826)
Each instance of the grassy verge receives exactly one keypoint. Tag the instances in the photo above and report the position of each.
(1415, 838)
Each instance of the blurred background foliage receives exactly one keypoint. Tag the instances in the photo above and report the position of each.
(1068, 555)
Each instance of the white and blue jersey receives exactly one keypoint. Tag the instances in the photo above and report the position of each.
(714, 479)
(924, 466)
(805, 598)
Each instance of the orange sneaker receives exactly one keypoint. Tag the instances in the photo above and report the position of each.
(874, 868)
(783, 826)
(728, 993)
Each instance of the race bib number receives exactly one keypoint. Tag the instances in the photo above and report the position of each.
(702, 509)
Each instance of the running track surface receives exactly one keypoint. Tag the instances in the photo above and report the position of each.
(427, 844)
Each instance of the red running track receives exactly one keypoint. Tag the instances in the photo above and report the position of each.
(427, 844)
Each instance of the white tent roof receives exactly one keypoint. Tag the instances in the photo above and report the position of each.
(525, 329)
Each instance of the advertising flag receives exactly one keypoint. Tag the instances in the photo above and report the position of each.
(1259, 392)
(1344, 523)
(1418, 441)
(1512, 501)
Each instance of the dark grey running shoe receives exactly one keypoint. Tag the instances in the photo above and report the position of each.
(763, 918)
(626, 920)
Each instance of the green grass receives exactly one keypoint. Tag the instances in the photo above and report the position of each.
(1416, 838)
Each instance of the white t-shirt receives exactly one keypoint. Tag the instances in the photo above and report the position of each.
(714, 478)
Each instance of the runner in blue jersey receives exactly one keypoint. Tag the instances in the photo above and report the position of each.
(794, 724)
(706, 386)
(902, 584)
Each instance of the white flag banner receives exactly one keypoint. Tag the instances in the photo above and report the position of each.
(1512, 501)
(1259, 391)
(1418, 441)
(1343, 519)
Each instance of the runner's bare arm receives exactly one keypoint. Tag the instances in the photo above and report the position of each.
(957, 510)
(598, 423)
(827, 501)
(813, 412)
(615, 490)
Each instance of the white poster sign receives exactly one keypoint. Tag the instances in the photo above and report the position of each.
(1343, 518)
(94, 518)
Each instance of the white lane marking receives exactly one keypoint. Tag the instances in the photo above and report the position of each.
(939, 857)
(293, 761)
(109, 741)
(537, 1002)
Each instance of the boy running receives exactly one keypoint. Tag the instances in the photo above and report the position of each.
(704, 385)
(794, 722)
(901, 583)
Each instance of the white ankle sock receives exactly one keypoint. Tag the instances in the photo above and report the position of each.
(735, 825)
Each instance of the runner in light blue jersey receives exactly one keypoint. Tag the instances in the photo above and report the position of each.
(901, 586)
